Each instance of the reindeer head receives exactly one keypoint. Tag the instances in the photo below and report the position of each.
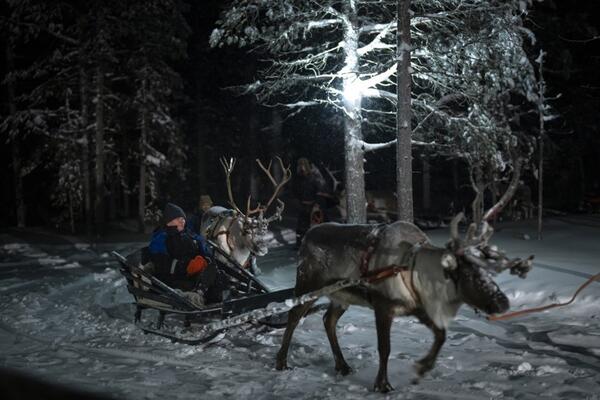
(253, 225)
(472, 262)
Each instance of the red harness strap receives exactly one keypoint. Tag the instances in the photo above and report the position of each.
(384, 273)
(381, 274)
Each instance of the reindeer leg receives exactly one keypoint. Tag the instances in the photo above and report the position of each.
(334, 312)
(426, 363)
(383, 321)
(294, 316)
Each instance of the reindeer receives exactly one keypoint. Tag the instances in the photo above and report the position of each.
(244, 235)
(427, 282)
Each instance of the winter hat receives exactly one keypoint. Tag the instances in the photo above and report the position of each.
(171, 212)
(205, 202)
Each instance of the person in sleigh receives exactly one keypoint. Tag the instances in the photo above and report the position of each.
(183, 259)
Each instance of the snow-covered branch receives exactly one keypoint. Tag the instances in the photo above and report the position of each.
(377, 42)
(367, 147)
(325, 23)
(380, 94)
(377, 79)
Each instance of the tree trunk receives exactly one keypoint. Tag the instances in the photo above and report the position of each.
(403, 119)
(71, 213)
(354, 176)
(113, 194)
(125, 184)
(201, 134)
(508, 195)
(494, 189)
(455, 185)
(142, 183)
(426, 184)
(276, 145)
(253, 153)
(478, 188)
(15, 148)
(85, 148)
(99, 184)
(541, 90)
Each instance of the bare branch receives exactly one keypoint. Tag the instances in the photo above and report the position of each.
(507, 196)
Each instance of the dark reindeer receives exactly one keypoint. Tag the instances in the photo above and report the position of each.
(239, 234)
(431, 285)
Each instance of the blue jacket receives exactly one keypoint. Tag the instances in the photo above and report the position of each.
(171, 251)
(158, 242)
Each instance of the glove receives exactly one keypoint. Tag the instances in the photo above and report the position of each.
(196, 265)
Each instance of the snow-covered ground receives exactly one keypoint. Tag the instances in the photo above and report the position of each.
(65, 316)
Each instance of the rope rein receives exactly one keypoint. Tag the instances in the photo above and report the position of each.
(546, 307)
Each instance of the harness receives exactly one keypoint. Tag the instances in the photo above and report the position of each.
(227, 232)
(405, 269)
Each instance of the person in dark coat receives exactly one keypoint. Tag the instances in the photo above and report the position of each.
(195, 221)
(309, 188)
(181, 259)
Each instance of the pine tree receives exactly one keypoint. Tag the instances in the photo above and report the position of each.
(157, 31)
(341, 54)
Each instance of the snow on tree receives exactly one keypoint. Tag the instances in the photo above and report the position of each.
(157, 29)
(105, 59)
(342, 54)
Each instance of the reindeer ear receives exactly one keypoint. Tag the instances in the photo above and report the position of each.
(449, 262)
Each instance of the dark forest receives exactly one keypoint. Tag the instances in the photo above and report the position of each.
(94, 93)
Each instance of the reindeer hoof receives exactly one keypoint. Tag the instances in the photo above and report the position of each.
(383, 387)
(421, 368)
(281, 365)
(344, 370)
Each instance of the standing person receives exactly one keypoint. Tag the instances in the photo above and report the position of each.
(181, 258)
(195, 222)
(309, 188)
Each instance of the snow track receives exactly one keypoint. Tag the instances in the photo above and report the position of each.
(75, 325)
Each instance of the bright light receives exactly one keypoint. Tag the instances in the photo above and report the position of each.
(352, 90)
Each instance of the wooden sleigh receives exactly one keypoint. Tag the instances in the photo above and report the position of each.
(244, 294)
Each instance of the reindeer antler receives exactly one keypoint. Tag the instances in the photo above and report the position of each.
(278, 211)
(455, 240)
(476, 250)
(249, 211)
(228, 166)
(496, 262)
(287, 175)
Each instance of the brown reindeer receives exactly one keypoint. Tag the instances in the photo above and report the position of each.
(432, 284)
